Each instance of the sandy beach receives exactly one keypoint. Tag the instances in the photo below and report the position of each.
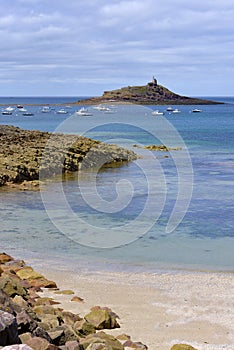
(158, 309)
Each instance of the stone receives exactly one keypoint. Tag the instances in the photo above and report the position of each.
(182, 347)
(73, 345)
(84, 328)
(12, 286)
(102, 338)
(102, 318)
(8, 329)
(5, 258)
(17, 347)
(134, 345)
(65, 292)
(77, 299)
(34, 278)
(25, 322)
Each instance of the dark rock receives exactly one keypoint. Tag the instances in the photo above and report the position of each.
(8, 329)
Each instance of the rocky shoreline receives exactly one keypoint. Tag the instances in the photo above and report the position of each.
(28, 156)
(29, 321)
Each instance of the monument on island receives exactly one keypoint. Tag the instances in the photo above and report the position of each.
(153, 82)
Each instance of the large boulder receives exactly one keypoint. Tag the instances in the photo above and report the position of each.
(102, 318)
(34, 278)
(5, 258)
(8, 329)
(106, 341)
(12, 286)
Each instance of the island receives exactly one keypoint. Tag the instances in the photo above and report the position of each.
(150, 94)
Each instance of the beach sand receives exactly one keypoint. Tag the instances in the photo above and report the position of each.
(158, 309)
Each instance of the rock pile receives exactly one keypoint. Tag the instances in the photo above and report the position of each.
(31, 322)
(29, 155)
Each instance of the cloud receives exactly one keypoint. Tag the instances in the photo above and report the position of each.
(116, 43)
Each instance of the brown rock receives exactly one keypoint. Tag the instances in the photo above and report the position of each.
(102, 318)
(77, 299)
(5, 258)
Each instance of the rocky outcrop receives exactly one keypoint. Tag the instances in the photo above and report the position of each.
(35, 321)
(150, 94)
(32, 155)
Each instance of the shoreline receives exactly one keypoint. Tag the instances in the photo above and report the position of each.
(159, 309)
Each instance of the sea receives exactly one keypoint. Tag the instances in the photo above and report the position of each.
(167, 210)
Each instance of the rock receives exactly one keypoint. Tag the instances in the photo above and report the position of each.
(73, 345)
(99, 346)
(67, 334)
(8, 329)
(5, 258)
(37, 343)
(17, 347)
(134, 345)
(7, 304)
(70, 318)
(182, 347)
(84, 328)
(102, 318)
(102, 338)
(25, 322)
(21, 161)
(77, 299)
(65, 292)
(35, 279)
(12, 286)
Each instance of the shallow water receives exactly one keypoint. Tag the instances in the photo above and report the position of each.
(125, 224)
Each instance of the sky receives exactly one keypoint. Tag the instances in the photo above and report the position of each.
(83, 47)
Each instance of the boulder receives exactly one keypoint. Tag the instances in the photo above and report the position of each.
(84, 328)
(182, 347)
(102, 318)
(12, 286)
(8, 329)
(73, 345)
(34, 278)
(5, 258)
(103, 339)
(129, 344)
(17, 347)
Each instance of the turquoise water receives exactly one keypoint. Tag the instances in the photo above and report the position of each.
(122, 218)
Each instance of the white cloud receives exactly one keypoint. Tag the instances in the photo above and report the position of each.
(98, 41)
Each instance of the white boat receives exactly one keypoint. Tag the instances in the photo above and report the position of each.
(9, 109)
(157, 112)
(61, 111)
(23, 110)
(45, 109)
(83, 112)
(175, 111)
(102, 108)
(170, 109)
(196, 110)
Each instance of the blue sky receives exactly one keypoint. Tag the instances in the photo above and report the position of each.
(83, 47)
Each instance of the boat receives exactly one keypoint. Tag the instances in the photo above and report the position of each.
(28, 114)
(83, 112)
(6, 113)
(170, 109)
(9, 109)
(196, 110)
(175, 111)
(45, 109)
(20, 106)
(23, 110)
(61, 111)
(102, 108)
(157, 112)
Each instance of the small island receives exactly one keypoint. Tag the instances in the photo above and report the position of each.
(150, 94)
